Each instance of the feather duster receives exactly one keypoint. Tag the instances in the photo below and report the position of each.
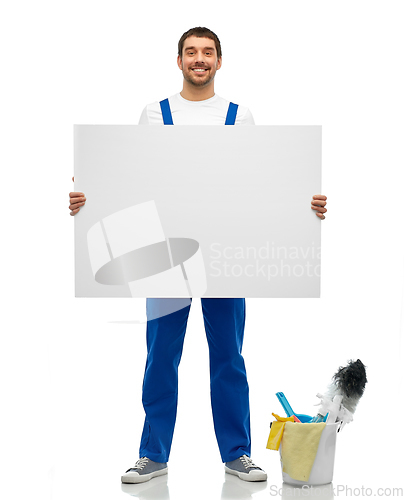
(343, 394)
(349, 382)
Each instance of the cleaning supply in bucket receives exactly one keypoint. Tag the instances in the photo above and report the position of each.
(288, 409)
(276, 433)
(306, 456)
(343, 394)
(299, 449)
(308, 449)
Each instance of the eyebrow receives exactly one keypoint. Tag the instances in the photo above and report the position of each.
(193, 48)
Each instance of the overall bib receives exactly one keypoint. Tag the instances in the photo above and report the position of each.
(224, 321)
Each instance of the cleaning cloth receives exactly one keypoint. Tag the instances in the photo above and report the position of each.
(277, 427)
(299, 448)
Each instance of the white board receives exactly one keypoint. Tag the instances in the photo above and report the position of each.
(201, 211)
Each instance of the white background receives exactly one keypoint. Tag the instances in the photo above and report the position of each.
(71, 370)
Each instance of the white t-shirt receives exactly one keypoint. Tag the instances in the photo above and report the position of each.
(211, 111)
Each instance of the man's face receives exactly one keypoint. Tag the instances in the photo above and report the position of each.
(199, 61)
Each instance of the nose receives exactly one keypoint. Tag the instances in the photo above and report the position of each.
(200, 57)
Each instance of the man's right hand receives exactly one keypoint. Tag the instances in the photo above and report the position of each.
(77, 200)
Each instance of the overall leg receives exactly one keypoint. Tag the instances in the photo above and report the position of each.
(224, 324)
(165, 338)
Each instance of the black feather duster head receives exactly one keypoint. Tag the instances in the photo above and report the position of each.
(349, 381)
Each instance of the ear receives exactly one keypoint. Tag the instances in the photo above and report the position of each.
(219, 63)
(179, 62)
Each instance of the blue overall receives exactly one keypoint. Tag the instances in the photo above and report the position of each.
(224, 321)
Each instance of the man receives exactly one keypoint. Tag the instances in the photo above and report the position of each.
(199, 58)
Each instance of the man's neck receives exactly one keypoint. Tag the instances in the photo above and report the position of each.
(192, 93)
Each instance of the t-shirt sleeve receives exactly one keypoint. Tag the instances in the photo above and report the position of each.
(249, 119)
(244, 117)
(144, 119)
(151, 115)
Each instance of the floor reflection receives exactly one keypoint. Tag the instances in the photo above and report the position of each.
(235, 489)
(323, 492)
(155, 489)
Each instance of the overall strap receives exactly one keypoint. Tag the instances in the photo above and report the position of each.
(231, 114)
(166, 111)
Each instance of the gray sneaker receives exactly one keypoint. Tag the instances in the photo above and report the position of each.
(144, 470)
(245, 469)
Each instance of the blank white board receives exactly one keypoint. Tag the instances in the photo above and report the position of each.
(201, 211)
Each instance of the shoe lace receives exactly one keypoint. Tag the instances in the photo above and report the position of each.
(247, 462)
(141, 463)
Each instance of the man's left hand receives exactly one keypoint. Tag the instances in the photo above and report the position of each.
(318, 203)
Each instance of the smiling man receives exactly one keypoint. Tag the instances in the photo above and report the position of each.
(198, 73)
(199, 58)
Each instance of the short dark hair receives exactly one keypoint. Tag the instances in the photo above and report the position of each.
(200, 33)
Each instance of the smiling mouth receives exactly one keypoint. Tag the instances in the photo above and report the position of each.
(199, 70)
